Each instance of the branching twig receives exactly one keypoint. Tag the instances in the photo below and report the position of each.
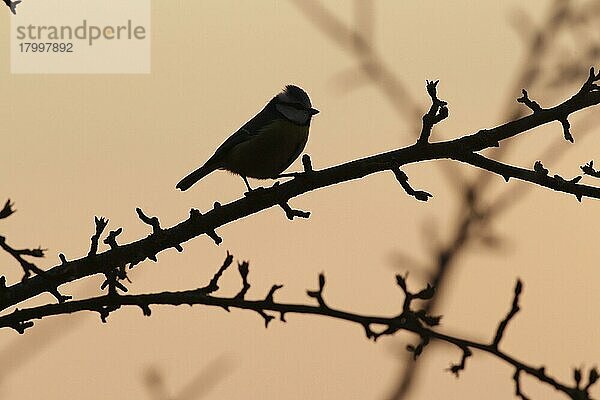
(463, 149)
(402, 178)
(100, 223)
(513, 311)
(437, 112)
(409, 319)
(7, 210)
(588, 169)
(152, 221)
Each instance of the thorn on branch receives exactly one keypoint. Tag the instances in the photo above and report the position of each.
(457, 368)
(20, 326)
(63, 259)
(390, 330)
(152, 221)
(318, 294)
(243, 269)
(112, 281)
(513, 311)
(567, 129)
(274, 288)
(592, 378)
(402, 178)
(308, 169)
(100, 223)
(194, 213)
(577, 377)
(533, 105)
(213, 235)
(571, 182)
(401, 281)
(213, 285)
(111, 239)
(536, 108)
(39, 252)
(418, 349)
(518, 391)
(588, 169)
(539, 168)
(307, 163)
(7, 210)
(145, 309)
(105, 311)
(590, 84)
(429, 320)
(28, 267)
(290, 213)
(437, 112)
(268, 318)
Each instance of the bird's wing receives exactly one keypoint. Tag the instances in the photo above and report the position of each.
(296, 153)
(249, 130)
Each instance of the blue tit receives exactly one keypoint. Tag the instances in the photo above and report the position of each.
(267, 144)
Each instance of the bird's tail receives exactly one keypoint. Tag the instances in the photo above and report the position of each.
(194, 177)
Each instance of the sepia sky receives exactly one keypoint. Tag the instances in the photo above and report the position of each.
(78, 146)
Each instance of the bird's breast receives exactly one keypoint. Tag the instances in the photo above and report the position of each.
(269, 152)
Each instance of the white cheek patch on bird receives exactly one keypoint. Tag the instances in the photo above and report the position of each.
(267, 144)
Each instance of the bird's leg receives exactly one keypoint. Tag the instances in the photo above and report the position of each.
(250, 190)
(247, 184)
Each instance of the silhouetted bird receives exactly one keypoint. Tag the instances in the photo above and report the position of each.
(267, 144)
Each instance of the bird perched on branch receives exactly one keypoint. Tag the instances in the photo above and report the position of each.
(267, 144)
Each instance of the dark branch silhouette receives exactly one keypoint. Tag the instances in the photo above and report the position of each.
(410, 319)
(463, 149)
(474, 218)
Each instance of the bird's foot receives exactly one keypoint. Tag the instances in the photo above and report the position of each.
(292, 175)
(254, 191)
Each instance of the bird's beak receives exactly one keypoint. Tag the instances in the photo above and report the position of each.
(313, 111)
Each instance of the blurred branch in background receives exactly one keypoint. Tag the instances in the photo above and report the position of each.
(197, 388)
(547, 65)
(113, 262)
(473, 218)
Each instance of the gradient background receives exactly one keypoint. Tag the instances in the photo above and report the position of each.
(75, 146)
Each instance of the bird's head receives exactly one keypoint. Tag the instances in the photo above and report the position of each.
(294, 104)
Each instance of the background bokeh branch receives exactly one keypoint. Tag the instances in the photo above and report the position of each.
(544, 66)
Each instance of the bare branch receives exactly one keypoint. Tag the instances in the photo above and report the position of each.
(152, 221)
(408, 320)
(213, 285)
(437, 112)
(402, 178)
(513, 311)
(7, 210)
(461, 149)
(588, 169)
(555, 182)
(100, 223)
